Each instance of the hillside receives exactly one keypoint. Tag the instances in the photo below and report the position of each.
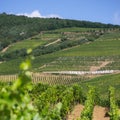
(58, 44)
(16, 28)
(66, 49)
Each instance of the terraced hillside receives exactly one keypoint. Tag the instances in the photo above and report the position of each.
(101, 53)
(76, 49)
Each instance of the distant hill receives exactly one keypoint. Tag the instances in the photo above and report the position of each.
(15, 28)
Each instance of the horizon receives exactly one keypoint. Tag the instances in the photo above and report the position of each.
(107, 12)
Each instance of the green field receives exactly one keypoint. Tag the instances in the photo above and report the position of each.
(97, 48)
(25, 44)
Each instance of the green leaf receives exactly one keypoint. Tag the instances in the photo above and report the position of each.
(29, 51)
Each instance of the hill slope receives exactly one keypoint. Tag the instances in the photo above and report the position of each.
(16, 28)
(57, 44)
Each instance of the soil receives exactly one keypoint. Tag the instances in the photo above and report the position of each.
(103, 64)
(75, 114)
(42, 66)
(99, 113)
(5, 49)
(53, 42)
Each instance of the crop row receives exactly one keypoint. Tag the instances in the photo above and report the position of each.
(56, 102)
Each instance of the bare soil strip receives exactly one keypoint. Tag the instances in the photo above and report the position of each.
(5, 49)
(75, 114)
(53, 42)
(103, 64)
(99, 113)
(42, 66)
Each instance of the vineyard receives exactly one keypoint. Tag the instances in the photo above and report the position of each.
(24, 99)
(21, 98)
(75, 73)
(77, 49)
(53, 102)
(50, 79)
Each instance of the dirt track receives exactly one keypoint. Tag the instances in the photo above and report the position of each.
(99, 113)
(103, 64)
(5, 49)
(58, 40)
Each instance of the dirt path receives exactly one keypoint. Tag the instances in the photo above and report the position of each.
(53, 42)
(76, 112)
(42, 66)
(103, 64)
(99, 113)
(5, 49)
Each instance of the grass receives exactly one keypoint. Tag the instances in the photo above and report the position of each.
(111, 36)
(26, 44)
(97, 48)
(10, 67)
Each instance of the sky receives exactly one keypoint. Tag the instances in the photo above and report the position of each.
(105, 11)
